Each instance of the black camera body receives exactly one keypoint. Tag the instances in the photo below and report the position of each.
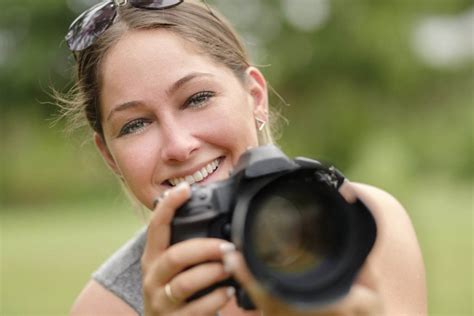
(300, 238)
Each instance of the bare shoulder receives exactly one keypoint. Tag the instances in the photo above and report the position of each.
(96, 300)
(396, 258)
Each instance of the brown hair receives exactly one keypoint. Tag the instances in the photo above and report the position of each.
(192, 20)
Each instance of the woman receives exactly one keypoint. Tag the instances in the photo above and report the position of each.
(173, 99)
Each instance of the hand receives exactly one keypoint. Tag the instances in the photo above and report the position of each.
(171, 275)
(361, 300)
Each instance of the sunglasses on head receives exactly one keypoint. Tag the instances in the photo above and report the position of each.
(84, 31)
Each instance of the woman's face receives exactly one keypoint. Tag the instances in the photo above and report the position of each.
(171, 114)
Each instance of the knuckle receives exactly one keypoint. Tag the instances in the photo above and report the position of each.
(148, 286)
(182, 289)
(173, 257)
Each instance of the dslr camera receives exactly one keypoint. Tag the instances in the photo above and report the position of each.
(301, 240)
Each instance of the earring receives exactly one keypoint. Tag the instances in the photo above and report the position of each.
(260, 123)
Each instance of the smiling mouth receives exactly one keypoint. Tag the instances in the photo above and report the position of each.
(199, 176)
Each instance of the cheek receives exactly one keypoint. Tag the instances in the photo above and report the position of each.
(233, 131)
(136, 160)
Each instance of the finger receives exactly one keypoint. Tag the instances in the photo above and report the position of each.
(348, 192)
(197, 278)
(211, 303)
(183, 255)
(158, 233)
(234, 263)
(173, 294)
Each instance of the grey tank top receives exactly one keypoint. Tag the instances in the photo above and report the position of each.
(121, 273)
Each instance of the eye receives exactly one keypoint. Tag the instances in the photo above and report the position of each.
(199, 99)
(134, 127)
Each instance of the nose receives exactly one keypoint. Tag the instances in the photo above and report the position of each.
(178, 143)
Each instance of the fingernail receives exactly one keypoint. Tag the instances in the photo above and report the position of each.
(230, 291)
(226, 247)
(230, 262)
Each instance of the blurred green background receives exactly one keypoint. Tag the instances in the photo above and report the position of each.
(382, 89)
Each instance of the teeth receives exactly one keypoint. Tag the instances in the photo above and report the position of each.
(198, 175)
(204, 172)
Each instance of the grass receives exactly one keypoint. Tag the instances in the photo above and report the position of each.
(443, 218)
(48, 253)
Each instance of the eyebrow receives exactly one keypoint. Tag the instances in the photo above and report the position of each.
(178, 84)
(181, 82)
(123, 107)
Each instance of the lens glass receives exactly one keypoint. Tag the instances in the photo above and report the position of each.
(281, 237)
(294, 227)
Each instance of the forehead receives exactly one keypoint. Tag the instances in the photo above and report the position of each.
(143, 56)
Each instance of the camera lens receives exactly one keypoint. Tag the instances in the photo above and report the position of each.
(280, 237)
(293, 230)
(297, 237)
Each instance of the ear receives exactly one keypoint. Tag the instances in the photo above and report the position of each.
(257, 87)
(104, 151)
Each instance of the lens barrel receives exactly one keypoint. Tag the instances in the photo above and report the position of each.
(298, 238)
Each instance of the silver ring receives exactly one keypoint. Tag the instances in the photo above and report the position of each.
(169, 294)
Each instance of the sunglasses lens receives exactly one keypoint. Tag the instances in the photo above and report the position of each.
(154, 4)
(89, 25)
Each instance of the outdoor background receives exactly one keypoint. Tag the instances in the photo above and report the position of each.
(382, 89)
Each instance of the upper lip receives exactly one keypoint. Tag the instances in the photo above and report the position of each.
(190, 172)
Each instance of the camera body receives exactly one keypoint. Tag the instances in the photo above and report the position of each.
(300, 239)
